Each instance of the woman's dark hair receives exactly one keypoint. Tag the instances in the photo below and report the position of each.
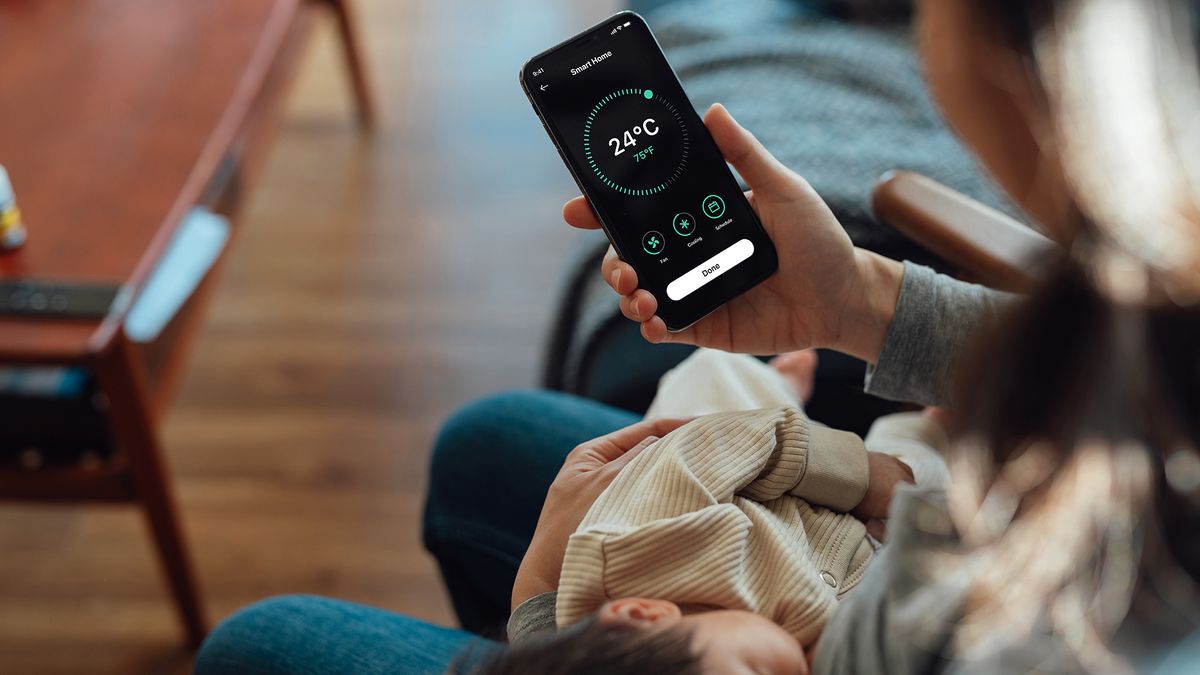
(1018, 21)
(1074, 363)
(595, 648)
(1072, 416)
(1070, 365)
(1079, 415)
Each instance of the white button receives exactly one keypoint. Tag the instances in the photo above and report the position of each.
(710, 269)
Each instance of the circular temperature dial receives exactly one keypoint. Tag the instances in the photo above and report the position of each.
(635, 142)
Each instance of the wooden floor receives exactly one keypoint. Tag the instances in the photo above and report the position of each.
(376, 284)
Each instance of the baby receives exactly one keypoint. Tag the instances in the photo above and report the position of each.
(745, 514)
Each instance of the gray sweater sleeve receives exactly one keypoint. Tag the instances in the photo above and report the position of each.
(532, 617)
(936, 316)
(902, 618)
(899, 619)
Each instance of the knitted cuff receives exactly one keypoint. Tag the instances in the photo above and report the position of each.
(836, 474)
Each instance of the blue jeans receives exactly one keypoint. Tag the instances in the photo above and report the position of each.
(492, 464)
(307, 635)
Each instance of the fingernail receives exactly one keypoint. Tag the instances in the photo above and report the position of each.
(633, 307)
(616, 277)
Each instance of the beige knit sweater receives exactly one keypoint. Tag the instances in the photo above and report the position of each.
(740, 510)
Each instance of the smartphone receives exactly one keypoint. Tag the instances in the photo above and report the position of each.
(641, 155)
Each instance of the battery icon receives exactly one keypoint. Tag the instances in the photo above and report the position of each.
(626, 23)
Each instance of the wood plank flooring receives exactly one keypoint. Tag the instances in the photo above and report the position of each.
(376, 284)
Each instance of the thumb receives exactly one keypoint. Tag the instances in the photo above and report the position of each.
(756, 165)
(618, 463)
(877, 528)
(655, 332)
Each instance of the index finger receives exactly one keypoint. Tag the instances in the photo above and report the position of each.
(613, 445)
(626, 279)
(578, 213)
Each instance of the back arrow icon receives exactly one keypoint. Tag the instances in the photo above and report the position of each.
(543, 87)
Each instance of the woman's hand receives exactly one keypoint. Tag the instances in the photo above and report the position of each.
(587, 471)
(885, 473)
(826, 293)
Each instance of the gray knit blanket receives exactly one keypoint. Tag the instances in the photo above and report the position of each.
(841, 101)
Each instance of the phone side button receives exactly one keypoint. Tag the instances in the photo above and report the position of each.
(710, 269)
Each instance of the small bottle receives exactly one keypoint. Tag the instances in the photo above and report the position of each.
(12, 230)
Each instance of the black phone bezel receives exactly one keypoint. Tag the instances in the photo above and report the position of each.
(769, 265)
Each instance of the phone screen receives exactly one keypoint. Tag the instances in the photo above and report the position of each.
(669, 203)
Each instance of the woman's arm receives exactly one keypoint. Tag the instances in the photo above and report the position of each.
(935, 318)
(909, 321)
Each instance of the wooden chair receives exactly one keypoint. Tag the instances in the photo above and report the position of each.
(352, 49)
(983, 244)
(203, 148)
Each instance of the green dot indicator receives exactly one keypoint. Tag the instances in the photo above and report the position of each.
(648, 94)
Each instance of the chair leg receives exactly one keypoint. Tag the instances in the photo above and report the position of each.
(121, 379)
(352, 48)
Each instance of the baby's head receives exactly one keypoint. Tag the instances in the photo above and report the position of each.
(633, 636)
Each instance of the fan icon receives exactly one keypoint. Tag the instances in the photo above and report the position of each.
(653, 242)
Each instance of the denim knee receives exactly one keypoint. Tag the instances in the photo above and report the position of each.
(495, 458)
(514, 440)
(250, 640)
(309, 635)
(473, 456)
(472, 434)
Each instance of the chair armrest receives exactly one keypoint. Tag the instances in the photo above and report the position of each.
(983, 244)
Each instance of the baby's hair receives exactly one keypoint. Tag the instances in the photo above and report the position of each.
(592, 647)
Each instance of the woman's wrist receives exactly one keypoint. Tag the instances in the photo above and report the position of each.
(539, 569)
(867, 316)
(529, 582)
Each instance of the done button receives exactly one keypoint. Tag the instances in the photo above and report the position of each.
(710, 269)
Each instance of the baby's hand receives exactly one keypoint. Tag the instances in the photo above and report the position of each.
(885, 473)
